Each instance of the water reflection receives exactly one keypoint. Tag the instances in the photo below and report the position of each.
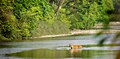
(57, 48)
(63, 54)
(75, 52)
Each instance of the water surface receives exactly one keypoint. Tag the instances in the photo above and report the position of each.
(58, 48)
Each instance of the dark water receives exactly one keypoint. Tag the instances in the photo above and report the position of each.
(58, 48)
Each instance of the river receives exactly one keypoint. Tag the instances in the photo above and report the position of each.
(58, 48)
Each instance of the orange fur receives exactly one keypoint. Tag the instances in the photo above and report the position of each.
(76, 46)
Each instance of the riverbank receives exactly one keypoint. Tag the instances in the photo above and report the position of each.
(114, 28)
(72, 33)
(81, 32)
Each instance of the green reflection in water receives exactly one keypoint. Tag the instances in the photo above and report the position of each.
(47, 53)
(4, 46)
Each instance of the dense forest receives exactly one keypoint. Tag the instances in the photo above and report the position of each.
(20, 19)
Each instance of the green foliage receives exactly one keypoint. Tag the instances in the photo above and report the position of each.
(7, 19)
(26, 18)
(84, 14)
